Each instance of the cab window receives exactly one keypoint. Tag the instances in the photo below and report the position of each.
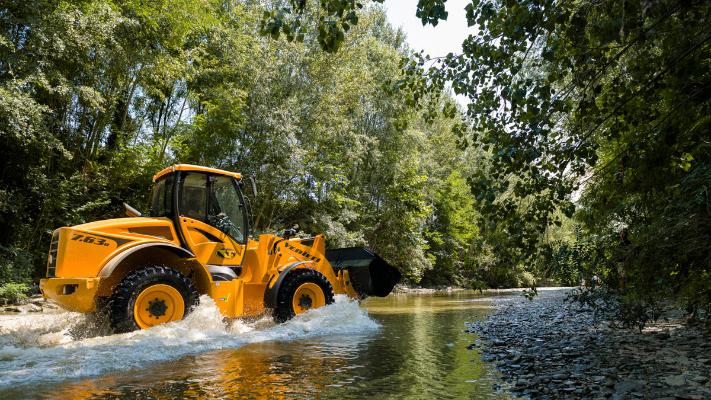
(193, 196)
(215, 200)
(162, 197)
(225, 207)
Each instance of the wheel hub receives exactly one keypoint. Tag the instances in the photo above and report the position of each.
(308, 295)
(157, 308)
(158, 304)
(305, 301)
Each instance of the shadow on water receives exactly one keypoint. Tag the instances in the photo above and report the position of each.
(418, 351)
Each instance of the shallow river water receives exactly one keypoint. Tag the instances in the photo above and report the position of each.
(402, 346)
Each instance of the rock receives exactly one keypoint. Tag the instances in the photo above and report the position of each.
(675, 380)
(33, 308)
(548, 349)
(12, 309)
(628, 386)
(690, 396)
(699, 378)
(663, 335)
(37, 302)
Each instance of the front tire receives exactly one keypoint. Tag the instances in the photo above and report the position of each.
(302, 290)
(151, 296)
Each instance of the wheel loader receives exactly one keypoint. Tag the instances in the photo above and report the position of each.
(148, 270)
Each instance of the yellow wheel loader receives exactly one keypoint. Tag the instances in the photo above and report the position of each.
(145, 271)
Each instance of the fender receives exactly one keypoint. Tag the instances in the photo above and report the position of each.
(270, 295)
(110, 266)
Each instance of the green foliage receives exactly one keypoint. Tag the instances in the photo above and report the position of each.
(580, 259)
(606, 99)
(530, 293)
(16, 265)
(450, 232)
(592, 115)
(96, 96)
(13, 292)
(295, 18)
(431, 11)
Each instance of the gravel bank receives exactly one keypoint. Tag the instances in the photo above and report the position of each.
(34, 304)
(549, 349)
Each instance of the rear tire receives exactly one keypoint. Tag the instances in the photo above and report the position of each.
(150, 296)
(302, 289)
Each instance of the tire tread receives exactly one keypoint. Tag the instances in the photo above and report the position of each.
(121, 317)
(283, 310)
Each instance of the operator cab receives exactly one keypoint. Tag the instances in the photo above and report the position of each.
(209, 213)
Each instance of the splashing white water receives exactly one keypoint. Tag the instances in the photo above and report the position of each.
(56, 347)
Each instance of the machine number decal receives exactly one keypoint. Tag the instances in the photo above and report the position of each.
(301, 252)
(90, 239)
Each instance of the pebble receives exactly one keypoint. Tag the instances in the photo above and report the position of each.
(550, 348)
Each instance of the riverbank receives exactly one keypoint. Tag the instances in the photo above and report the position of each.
(551, 349)
(33, 304)
(407, 289)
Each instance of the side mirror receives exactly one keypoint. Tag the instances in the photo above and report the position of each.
(131, 212)
(254, 185)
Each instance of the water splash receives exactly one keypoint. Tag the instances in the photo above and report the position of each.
(57, 347)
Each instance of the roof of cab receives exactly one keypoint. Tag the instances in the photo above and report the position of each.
(198, 168)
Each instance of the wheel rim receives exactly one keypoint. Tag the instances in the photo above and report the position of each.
(158, 304)
(307, 296)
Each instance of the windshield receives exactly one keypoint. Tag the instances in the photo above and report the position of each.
(215, 200)
(225, 210)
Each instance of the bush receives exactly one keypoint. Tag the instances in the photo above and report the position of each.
(508, 277)
(13, 292)
(16, 265)
(526, 279)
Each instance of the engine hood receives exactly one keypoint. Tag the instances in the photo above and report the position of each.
(156, 228)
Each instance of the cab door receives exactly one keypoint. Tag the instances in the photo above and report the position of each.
(212, 218)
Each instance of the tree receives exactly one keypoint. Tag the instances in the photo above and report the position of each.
(98, 95)
(609, 98)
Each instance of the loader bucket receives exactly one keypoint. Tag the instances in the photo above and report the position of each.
(370, 274)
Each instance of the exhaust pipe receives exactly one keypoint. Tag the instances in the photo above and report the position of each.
(370, 275)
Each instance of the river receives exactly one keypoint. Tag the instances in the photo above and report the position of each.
(401, 347)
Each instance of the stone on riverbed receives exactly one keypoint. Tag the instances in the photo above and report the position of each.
(548, 348)
(676, 380)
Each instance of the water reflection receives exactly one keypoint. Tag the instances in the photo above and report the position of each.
(419, 352)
